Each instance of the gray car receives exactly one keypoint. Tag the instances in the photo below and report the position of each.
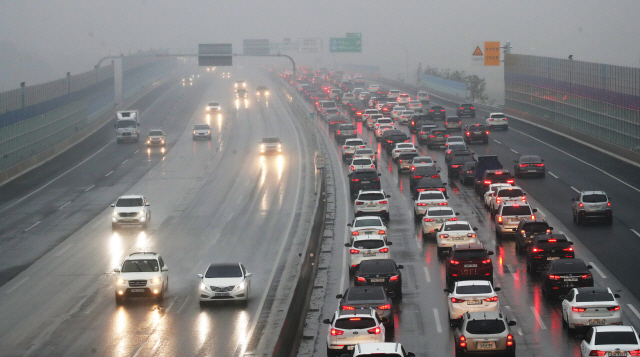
(368, 297)
(592, 205)
(529, 165)
(484, 332)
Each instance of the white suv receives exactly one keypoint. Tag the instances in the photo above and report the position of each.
(393, 94)
(367, 247)
(213, 107)
(506, 194)
(508, 215)
(455, 232)
(130, 210)
(496, 120)
(141, 274)
(372, 203)
(391, 349)
(350, 327)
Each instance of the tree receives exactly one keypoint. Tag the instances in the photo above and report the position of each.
(476, 86)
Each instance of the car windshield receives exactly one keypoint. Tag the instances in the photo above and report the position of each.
(485, 327)
(514, 192)
(140, 265)
(457, 227)
(201, 127)
(568, 266)
(155, 133)
(536, 227)
(589, 297)
(335, 91)
(369, 244)
(470, 254)
(476, 128)
(616, 338)
(380, 266)
(457, 147)
(455, 139)
(404, 146)
(376, 196)
(384, 121)
(214, 104)
(433, 195)
(595, 198)
(368, 222)
(270, 140)
(530, 159)
(375, 116)
(223, 271)
(129, 202)
(498, 116)
(361, 162)
(366, 175)
(364, 152)
(354, 142)
(440, 212)
(355, 323)
(473, 289)
(516, 211)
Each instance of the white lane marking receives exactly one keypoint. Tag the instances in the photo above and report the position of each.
(417, 239)
(124, 161)
(436, 316)
(514, 151)
(184, 304)
(61, 207)
(64, 250)
(90, 187)
(633, 309)
(552, 174)
(635, 232)
(108, 173)
(586, 163)
(513, 272)
(541, 213)
(18, 284)
(595, 267)
(136, 151)
(426, 273)
(520, 331)
(497, 141)
(35, 224)
(538, 318)
(575, 189)
(230, 216)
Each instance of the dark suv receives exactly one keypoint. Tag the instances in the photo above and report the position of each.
(363, 179)
(380, 272)
(390, 140)
(429, 184)
(422, 172)
(368, 297)
(527, 229)
(467, 172)
(564, 275)
(418, 120)
(437, 137)
(467, 110)
(493, 176)
(546, 248)
(346, 131)
(469, 262)
(438, 111)
(475, 132)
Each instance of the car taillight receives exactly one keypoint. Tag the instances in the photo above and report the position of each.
(446, 136)
(336, 332)
(359, 203)
(461, 108)
(356, 233)
(499, 219)
(487, 182)
(454, 262)
(421, 204)
(486, 261)
(586, 276)
(347, 308)
(346, 147)
(361, 279)
(570, 249)
(384, 250)
(381, 232)
(492, 299)
(385, 307)
(432, 136)
(355, 180)
(539, 165)
(394, 278)
(470, 235)
(634, 353)
(428, 219)
(444, 236)
(608, 204)
(578, 309)
(524, 199)
(453, 219)
(498, 200)
(463, 341)
(509, 339)
(435, 176)
(374, 331)
(510, 181)
(383, 202)
(597, 353)
(614, 308)
(554, 277)
(422, 133)
(523, 165)
(456, 300)
(455, 166)
(354, 251)
(537, 250)
(443, 204)
(580, 204)
(533, 217)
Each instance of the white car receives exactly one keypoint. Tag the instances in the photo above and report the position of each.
(381, 129)
(350, 146)
(415, 105)
(361, 163)
(369, 203)
(335, 94)
(504, 194)
(270, 145)
(586, 307)
(426, 200)
(366, 226)
(496, 120)
(422, 161)
(156, 138)
(224, 282)
(610, 341)
(391, 349)
(368, 112)
(423, 97)
(348, 98)
(366, 152)
(455, 232)
(379, 105)
(403, 99)
(141, 274)
(471, 295)
(405, 116)
(435, 217)
(130, 210)
(367, 247)
(213, 107)
(397, 111)
(490, 194)
(363, 95)
(350, 327)
(373, 88)
(455, 140)
(393, 94)
(402, 148)
(373, 118)
(201, 131)
(382, 121)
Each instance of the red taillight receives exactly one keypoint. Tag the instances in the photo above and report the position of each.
(335, 332)
(355, 180)
(608, 204)
(580, 204)
(422, 132)
(537, 250)
(463, 341)
(523, 165)
(381, 232)
(498, 200)
(443, 204)
(570, 249)
(634, 353)
(509, 339)
(383, 202)
(597, 353)
(468, 133)
(374, 331)
(421, 204)
(361, 279)
(453, 219)
(454, 262)
(444, 236)
(486, 132)
(614, 308)
(384, 250)
(435, 176)
(456, 300)
(487, 182)
(486, 261)
(428, 219)
(499, 219)
(352, 168)
(533, 217)
(348, 308)
(554, 277)
(373, 166)
(354, 251)
(394, 278)
(578, 309)
(539, 165)
(455, 166)
(385, 307)
(524, 199)
(358, 203)
(446, 136)
(492, 299)
(586, 276)
(356, 233)
(470, 235)
(461, 108)
(509, 181)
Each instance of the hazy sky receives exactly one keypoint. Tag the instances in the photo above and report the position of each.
(45, 39)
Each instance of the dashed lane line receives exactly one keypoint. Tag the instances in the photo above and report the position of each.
(497, 141)
(595, 267)
(427, 275)
(513, 272)
(552, 174)
(633, 309)
(63, 250)
(436, 316)
(90, 187)
(575, 189)
(635, 232)
(124, 161)
(64, 205)
(514, 151)
(538, 318)
(25, 279)
(108, 173)
(33, 225)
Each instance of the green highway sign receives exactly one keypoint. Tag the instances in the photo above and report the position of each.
(354, 34)
(312, 115)
(345, 44)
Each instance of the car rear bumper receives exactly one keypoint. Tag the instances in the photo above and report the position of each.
(596, 214)
(575, 320)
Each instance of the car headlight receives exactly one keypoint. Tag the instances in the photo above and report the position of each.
(141, 213)
(156, 280)
(115, 213)
(204, 287)
(121, 281)
(266, 93)
(240, 286)
(261, 146)
(208, 109)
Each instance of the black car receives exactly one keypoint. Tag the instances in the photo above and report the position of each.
(493, 176)
(457, 149)
(390, 140)
(469, 262)
(346, 131)
(335, 121)
(368, 297)
(468, 172)
(437, 137)
(438, 112)
(467, 110)
(455, 165)
(363, 179)
(546, 248)
(529, 165)
(564, 275)
(380, 272)
(423, 172)
(429, 184)
(418, 120)
(475, 132)
(527, 229)
(356, 109)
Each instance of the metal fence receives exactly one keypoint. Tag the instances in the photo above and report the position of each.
(596, 99)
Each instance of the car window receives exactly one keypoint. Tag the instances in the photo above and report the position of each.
(368, 223)
(364, 152)
(440, 212)
(423, 160)
(224, 271)
(214, 104)
(361, 162)
(457, 227)
(437, 195)
(129, 202)
(161, 261)
(588, 297)
(535, 227)
(371, 196)
(470, 254)
(473, 289)
(498, 116)
(369, 293)
(140, 265)
(516, 211)
(404, 146)
(595, 198)
(616, 338)
(378, 266)
(485, 327)
(355, 323)
(366, 175)
(369, 244)
(156, 133)
(510, 193)
(571, 266)
(201, 127)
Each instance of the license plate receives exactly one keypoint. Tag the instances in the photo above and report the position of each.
(471, 265)
(368, 232)
(486, 345)
(371, 204)
(366, 182)
(596, 322)
(369, 254)
(128, 219)
(617, 353)
(474, 302)
(458, 238)
(571, 279)
(200, 133)
(350, 347)
(531, 170)
(137, 290)
(374, 280)
(222, 294)
(552, 258)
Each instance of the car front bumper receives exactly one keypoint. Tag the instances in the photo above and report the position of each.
(207, 295)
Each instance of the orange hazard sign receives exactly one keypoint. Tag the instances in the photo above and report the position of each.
(477, 52)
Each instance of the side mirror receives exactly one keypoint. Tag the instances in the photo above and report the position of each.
(200, 276)
(411, 354)
(444, 184)
(348, 245)
(437, 230)
(475, 228)
(516, 161)
(165, 269)
(490, 252)
(138, 124)
(524, 193)
(148, 204)
(497, 289)
(550, 228)
(400, 266)
(248, 275)
(114, 125)
(113, 205)
(589, 266)
(512, 323)
(454, 323)
(116, 270)
(542, 160)
(617, 296)
(438, 170)
(326, 321)
(535, 210)
(457, 213)
(388, 196)
(448, 291)
(339, 296)
(570, 242)
(389, 243)
(379, 174)
(348, 224)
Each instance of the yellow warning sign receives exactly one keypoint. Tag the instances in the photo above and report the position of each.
(492, 53)
(477, 52)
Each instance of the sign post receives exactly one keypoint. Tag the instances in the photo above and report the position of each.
(477, 58)
(491, 53)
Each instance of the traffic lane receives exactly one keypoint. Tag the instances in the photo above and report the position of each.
(45, 215)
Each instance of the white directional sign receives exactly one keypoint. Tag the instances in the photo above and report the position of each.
(309, 45)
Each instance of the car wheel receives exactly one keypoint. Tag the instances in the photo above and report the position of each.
(529, 269)
(564, 322)
(517, 249)
(439, 251)
(579, 219)
(386, 217)
(485, 141)
(506, 128)
(398, 293)
(498, 235)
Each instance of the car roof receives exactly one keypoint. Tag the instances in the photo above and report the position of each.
(611, 328)
(558, 236)
(515, 203)
(484, 315)
(131, 196)
(356, 312)
(472, 282)
(370, 237)
(224, 265)
(142, 255)
(593, 193)
(379, 347)
(593, 290)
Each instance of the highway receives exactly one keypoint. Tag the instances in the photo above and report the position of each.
(211, 201)
(421, 316)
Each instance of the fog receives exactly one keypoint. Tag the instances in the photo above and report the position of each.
(42, 40)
